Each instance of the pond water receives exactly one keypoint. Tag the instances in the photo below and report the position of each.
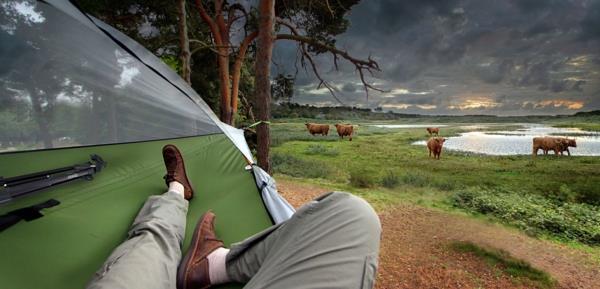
(409, 125)
(519, 142)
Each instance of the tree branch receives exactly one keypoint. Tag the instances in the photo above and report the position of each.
(329, 8)
(368, 64)
(204, 45)
(210, 22)
(231, 18)
(360, 65)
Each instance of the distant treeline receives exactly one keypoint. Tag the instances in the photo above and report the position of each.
(588, 113)
(294, 110)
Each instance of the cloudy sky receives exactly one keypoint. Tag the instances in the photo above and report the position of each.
(509, 57)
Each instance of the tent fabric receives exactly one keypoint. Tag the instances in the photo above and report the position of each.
(65, 247)
(72, 86)
(237, 137)
(156, 64)
(279, 209)
(65, 84)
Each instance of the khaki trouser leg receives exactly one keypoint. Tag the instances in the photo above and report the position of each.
(150, 256)
(332, 242)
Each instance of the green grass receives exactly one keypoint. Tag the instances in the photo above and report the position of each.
(383, 166)
(374, 154)
(319, 149)
(589, 123)
(520, 271)
(583, 126)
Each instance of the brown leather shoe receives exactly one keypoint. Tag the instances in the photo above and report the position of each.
(193, 269)
(176, 169)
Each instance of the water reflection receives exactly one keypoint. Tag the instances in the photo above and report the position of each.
(519, 142)
(409, 125)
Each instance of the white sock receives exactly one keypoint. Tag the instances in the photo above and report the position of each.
(176, 187)
(217, 272)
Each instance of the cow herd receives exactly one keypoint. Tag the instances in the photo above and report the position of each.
(435, 143)
(323, 129)
(556, 144)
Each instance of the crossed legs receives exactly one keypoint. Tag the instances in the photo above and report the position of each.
(332, 242)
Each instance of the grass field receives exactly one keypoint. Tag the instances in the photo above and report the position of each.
(382, 166)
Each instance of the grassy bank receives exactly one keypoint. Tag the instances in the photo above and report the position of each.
(521, 271)
(383, 166)
(589, 122)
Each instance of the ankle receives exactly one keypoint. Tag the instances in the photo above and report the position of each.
(217, 269)
(177, 188)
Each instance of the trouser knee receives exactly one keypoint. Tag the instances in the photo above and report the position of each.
(348, 206)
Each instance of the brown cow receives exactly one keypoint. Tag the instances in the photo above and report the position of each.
(565, 143)
(556, 144)
(344, 130)
(434, 145)
(432, 130)
(315, 128)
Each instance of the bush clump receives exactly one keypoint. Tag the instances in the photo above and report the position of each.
(415, 179)
(318, 149)
(293, 166)
(361, 179)
(536, 214)
(390, 180)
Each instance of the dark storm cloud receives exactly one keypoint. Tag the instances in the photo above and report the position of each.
(393, 15)
(350, 87)
(472, 56)
(494, 72)
(591, 23)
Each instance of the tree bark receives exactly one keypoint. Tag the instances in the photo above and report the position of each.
(237, 67)
(223, 48)
(220, 36)
(264, 51)
(184, 43)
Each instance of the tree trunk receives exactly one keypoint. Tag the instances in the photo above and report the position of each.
(184, 43)
(236, 73)
(223, 56)
(220, 35)
(264, 50)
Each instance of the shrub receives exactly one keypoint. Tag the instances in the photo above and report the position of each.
(292, 166)
(390, 180)
(536, 214)
(565, 194)
(361, 179)
(318, 149)
(590, 197)
(445, 184)
(415, 179)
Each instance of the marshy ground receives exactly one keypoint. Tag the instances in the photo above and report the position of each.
(466, 221)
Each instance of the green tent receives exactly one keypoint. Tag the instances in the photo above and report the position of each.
(72, 86)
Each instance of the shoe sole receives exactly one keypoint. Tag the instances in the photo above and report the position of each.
(184, 171)
(186, 262)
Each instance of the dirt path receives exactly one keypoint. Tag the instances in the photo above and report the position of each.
(415, 249)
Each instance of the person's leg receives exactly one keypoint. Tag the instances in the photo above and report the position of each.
(151, 254)
(331, 242)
